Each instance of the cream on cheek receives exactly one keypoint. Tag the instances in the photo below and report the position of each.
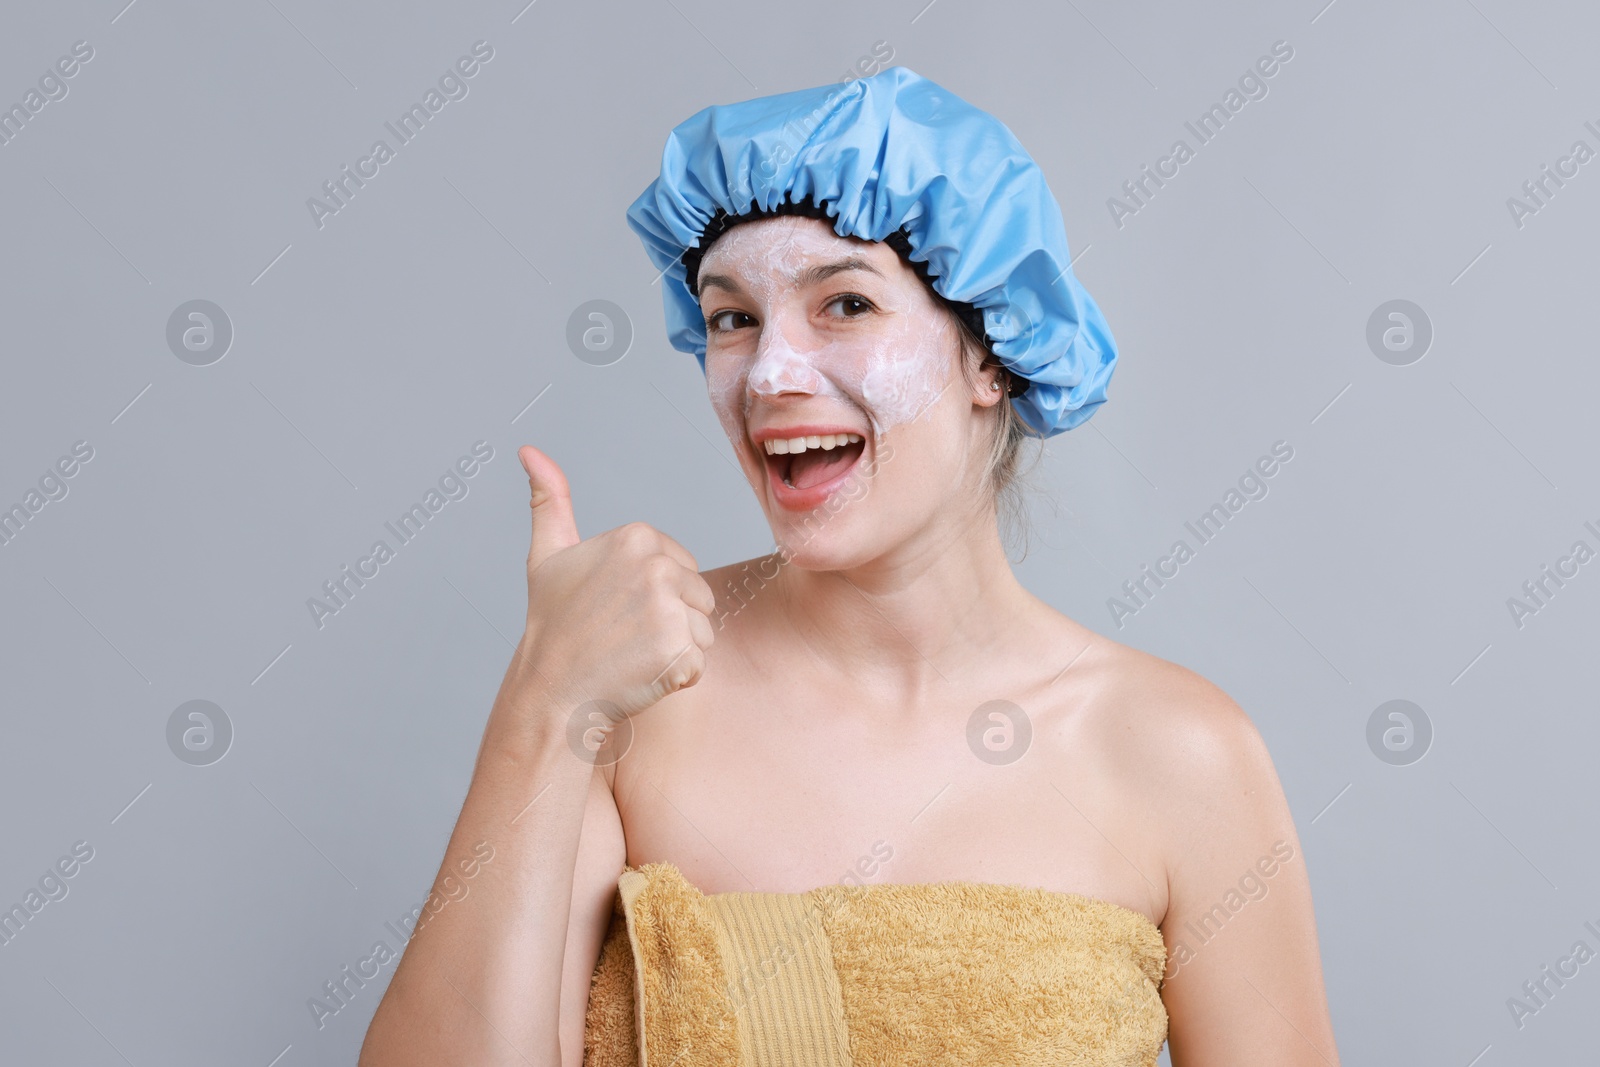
(905, 373)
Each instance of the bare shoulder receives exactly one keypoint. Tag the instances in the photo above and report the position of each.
(1178, 720)
(1238, 892)
(1197, 757)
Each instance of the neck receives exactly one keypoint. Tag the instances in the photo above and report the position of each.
(913, 621)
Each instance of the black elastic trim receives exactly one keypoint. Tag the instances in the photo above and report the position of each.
(899, 240)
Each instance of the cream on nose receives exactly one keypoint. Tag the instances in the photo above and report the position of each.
(780, 369)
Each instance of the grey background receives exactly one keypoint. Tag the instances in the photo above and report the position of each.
(371, 353)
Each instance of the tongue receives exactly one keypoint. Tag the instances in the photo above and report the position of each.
(815, 465)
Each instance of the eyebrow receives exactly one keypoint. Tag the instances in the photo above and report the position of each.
(813, 275)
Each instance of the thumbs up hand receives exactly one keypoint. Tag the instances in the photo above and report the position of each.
(623, 616)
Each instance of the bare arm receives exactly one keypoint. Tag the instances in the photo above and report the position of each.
(498, 972)
(602, 854)
(1244, 976)
(480, 982)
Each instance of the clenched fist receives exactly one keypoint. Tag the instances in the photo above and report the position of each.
(622, 617)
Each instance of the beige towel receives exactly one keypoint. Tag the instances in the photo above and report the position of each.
(932, 973)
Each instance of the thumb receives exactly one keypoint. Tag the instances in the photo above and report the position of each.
(554, 528)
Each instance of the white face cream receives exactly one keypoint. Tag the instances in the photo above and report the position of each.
(891, 362)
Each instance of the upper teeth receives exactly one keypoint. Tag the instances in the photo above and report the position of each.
(779, 446)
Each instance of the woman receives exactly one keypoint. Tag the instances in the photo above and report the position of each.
(886, 805)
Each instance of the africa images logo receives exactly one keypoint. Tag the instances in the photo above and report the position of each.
(338, 991)
(341, 589)
(452, 86)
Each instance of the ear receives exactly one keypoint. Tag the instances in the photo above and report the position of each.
(979, 368)
(989, 378)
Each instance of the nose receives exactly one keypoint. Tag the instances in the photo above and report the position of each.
(779, 367)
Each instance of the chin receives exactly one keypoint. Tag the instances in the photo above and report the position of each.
(827, 551)
(843, 533)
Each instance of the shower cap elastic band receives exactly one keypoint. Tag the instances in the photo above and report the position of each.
(893, 156)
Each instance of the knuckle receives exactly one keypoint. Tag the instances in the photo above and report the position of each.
(637, 535)
(693, 564)
(659, 568)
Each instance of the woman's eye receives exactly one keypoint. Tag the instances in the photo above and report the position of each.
(719, 321)
(853, 306)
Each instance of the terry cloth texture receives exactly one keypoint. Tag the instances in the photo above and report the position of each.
(869, 976)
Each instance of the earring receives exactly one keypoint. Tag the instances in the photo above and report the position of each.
(994, 384)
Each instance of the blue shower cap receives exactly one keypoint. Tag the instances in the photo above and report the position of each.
(894, 152)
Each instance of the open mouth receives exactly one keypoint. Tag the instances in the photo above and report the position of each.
(803, 470)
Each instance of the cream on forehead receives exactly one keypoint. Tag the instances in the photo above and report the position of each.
(892, 373)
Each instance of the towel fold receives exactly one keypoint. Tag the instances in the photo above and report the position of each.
(869, 976)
